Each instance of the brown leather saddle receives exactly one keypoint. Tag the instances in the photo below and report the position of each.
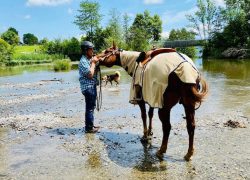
(145, 57)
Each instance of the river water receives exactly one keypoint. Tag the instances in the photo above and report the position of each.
(28, 152)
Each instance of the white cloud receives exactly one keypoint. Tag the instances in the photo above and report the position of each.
(173, 17)
(27, 16)
(220, 3)
(46, 2)
(152, 1)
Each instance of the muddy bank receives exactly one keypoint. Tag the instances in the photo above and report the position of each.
(41, 136)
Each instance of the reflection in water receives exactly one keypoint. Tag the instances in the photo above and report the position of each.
(149, 161)
(229, 83)
(15, 70)
(231, 69)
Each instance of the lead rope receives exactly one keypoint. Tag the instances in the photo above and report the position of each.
(99, 96)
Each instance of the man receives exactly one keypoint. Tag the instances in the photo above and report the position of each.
(88, 82)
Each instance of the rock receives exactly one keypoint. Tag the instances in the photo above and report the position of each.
(235, 53)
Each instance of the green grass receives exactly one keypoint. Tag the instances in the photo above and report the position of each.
(62, 65)
(27, 49)
(31, 55)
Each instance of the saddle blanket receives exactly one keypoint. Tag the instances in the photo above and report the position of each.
(153, 77)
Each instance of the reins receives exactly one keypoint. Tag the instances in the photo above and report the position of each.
(99, 96)
(98, 69)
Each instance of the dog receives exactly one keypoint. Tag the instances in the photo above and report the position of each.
(112, 77)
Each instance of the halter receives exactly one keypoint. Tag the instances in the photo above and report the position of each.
(109, 54)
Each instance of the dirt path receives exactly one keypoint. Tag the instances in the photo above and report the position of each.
(41, 137)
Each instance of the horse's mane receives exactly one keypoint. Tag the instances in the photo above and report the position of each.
(128, 60)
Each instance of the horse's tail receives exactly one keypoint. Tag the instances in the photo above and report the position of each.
(200, 91)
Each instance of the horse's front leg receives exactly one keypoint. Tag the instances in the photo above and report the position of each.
(164, 115)
(190, 112)
(144, 120)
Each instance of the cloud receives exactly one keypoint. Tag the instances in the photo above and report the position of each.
(152, 1)
(220, 3)
(27, 16)
(46, 2)
(172, 17)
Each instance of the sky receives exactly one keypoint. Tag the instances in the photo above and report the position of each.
(54, 19)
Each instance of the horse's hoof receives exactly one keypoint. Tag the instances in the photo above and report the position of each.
(160, 155)
(188, 157)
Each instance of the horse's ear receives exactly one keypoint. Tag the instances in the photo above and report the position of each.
(114, 45)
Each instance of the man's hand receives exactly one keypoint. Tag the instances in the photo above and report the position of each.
(94, 59)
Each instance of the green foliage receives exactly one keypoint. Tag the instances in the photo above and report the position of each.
(236, 31)
(44, 41)
(30, 39)
(11, 37)
(71, 48)
(14, 30)
(144, 30)
(62, 65)
(53, 47)
(89, 18)
(183, 34)
(206, 16)
(5, 52)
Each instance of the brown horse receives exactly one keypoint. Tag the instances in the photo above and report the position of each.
(187, 94)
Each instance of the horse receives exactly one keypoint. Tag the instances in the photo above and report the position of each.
(188, 94)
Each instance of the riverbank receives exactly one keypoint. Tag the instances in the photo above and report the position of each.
(42, 136)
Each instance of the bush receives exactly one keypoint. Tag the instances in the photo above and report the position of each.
(62, 65)
(5, 52)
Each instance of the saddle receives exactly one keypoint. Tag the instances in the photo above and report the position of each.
(145, 57)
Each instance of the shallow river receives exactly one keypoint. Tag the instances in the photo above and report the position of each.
(41, 122)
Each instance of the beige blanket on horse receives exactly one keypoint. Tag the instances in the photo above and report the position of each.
(153, 77)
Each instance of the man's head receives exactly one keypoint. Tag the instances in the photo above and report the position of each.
(87, 48)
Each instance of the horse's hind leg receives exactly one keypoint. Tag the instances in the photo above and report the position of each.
(170, 99)
(190, 112)
(144, 120)
(150, 116)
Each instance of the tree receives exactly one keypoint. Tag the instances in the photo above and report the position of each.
(183, 34)
(126, 20)
(114, 27)
(30, 39)
(5, 52)
(144, 30)
(14, 30)
(89, 18)
(202, 20)
(11, 37)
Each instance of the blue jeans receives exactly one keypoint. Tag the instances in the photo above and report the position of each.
(90, 101)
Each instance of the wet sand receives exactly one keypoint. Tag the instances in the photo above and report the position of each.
(42, 137)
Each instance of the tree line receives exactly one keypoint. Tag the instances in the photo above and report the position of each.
(222, 28)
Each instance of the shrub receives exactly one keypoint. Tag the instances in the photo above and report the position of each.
(5, 52)
(62, 65)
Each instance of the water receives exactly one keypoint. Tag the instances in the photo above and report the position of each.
(52, 112)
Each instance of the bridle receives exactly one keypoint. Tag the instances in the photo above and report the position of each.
(113, 52)
(103, 59)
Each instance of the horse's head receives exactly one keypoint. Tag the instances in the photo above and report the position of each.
(110, 56)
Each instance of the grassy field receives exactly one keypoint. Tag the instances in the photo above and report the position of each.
(32, 55)
(27, 49)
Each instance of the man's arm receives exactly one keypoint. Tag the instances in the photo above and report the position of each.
(93, 62)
